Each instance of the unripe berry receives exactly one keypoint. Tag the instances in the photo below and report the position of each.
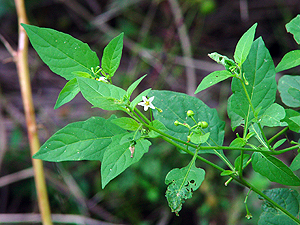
(176, 123)
(190, 113)
(203, 124)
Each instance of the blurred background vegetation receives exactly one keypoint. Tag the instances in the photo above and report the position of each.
(167, 39)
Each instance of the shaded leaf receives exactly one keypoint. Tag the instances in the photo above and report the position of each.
(273, 115)
(84, 140)
(181, 183)
(286, 198)
(289, 89)
(117, 157)
(274, 169)
(102, 95)
(126, 123)
(237, 162)
(69, 92)
(63, 53)
(295, 165)
(290, 113)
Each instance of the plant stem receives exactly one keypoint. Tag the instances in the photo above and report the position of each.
(21, 60)
(277, 135)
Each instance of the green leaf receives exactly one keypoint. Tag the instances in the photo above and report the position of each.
(274, 169)
(84, 140)
(112, 55)
(174, 106)
(227, 173)
(244, 45)
(212, 79)
(260, 73)
(223, 60)
(61, 52)
(289, 89)
(254, 128)
(102, 95)
(133, 86)
(290, 113)
(293, 27)
(158, 125)
(238, 142)
(286, 198)
(139, 98)
(272, 116)
(295, 165)
(296, 120)
(199, 138)
(289, 60)
(279, 143)
(117, 157)
(182, 182)
(126, 123)
(237, 162)
(69, 92)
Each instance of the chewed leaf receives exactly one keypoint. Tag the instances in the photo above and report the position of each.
(182, 182)
(63, 53)
(69, 92)
(212, 79)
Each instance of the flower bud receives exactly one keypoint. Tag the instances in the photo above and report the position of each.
(190, 113)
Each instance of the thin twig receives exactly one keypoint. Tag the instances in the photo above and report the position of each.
(57, 218)
(185, 46)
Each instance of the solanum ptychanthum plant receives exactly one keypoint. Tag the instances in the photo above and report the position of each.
(181, 120)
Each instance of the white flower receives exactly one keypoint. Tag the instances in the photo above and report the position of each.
(102, 79)
(147, 103)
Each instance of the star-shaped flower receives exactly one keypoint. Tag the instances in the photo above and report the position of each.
(147, 103)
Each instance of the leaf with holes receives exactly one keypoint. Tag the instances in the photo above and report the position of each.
(182, 182)
(63, 53)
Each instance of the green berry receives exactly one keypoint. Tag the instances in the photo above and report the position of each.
(203, 124)
(176, 123)
(190, 113)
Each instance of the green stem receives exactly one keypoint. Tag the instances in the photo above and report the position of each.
(277, 135)
(283, 210)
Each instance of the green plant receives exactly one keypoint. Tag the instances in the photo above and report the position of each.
(181, 120)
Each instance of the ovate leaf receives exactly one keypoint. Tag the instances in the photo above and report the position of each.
(212, 79)
(182, 182)
(112, 55)
(293, 27)
(174, 106)
(244, 45)
(289, 89)
(126, 123)
(61, 52)
(295, 165)
(69, 92)
(286, 198)
(273, 115)
(274, 169)
(102, 95)
(290, 113)
(84, 140)
(259, 71)
(289, 60)
(117, 157)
